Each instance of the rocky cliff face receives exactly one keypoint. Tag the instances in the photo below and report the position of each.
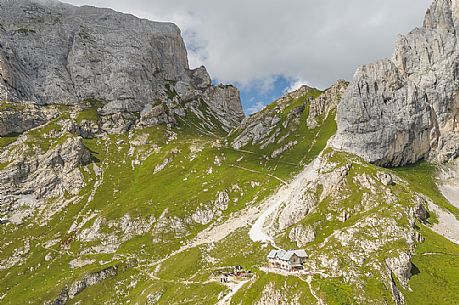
(30, 180)
(15, 119)
(52, 52)
(401, 110)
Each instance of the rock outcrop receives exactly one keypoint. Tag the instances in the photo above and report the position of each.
(326, 103)
(275, 124)
(29, 181)
(15, 119)
(401, 110)
(263, 128)
(78, 286)
(401, 267)
(52, 52)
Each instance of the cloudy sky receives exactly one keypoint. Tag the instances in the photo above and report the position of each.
(266, 47)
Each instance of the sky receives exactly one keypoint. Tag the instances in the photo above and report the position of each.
(269, 47)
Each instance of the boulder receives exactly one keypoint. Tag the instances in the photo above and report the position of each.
(401, 267)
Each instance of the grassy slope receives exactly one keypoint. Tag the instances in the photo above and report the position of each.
(421, 177)
(181, 279)
(292, 290)
(138, 189)
(436, 271)
(436, 263)
(141, 192)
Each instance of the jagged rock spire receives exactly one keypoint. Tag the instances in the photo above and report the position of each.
(441, 15)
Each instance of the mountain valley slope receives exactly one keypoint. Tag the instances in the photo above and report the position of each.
(145, 200)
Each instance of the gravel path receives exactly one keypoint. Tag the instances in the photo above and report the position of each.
(234, 288)
(448, 225)
(283, 195)
(449, 183)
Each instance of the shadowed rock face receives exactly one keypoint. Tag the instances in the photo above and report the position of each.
(401, 110)
(52, 52)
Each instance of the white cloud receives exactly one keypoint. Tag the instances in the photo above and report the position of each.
(195, 60)
(295, 85)
(255, 108)
(262, 86)
(249, 42)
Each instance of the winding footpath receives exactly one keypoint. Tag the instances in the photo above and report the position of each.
(235, 287)
(449, 183)
(448, 224)
(284, 195)
(254, 217)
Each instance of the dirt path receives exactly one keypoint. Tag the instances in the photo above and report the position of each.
(258, 172)
(235, 287)
(313, 293)
(447, 226)
(217, 232)
(284, 195)
(256, 216)
(449, 182)
(253, 216)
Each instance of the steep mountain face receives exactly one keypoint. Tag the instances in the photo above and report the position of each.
(56, 53)
(405, 109)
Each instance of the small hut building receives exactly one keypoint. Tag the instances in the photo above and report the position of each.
(291, 260)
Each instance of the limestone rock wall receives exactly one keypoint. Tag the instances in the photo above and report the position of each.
(400, 110)
(60, 53)
(51, 52)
